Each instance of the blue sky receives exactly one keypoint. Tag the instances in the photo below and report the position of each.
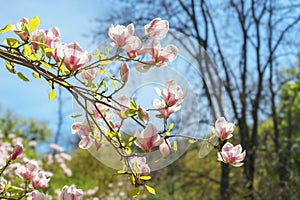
(74, 18)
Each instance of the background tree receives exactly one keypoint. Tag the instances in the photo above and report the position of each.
(248, 40)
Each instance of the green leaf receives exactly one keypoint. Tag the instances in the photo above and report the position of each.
(35, 75)
(46, 64)
(132, 179)
(27, 50)
(128, 151)
(52, 95)
(10, 68)
(64, 83)
(25, 29)
(33, 23)
(8, 27)
(145, 178)
(192, 141)
(171, 126)
(49, 51)
(133, 104)
(131, 140)
(175, 146)
(113, 83)
(103, 83)
(14, 189)
(130, 112)
(75, 116)
(35, 57)
(123, 114)
(151, 190)
(107, 51)
(102, 71)
(135, 168)
(7, 187)
(12, 42)
(121, 172)
(21, 76)
(134, 192)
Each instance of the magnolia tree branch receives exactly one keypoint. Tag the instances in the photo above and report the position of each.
(103, 116)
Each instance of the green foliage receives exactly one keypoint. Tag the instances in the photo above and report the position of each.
(52, 95)
(33, 23)
(21, 76)
(270, 157)
(12, 42)
(30, 128)
(6, 28)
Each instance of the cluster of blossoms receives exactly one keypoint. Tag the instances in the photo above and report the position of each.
(230, 154)
(60, 158)
(33, 176)
(72, 55)
(104, 116)
(67, 193)
(124, 40)
(123, 37)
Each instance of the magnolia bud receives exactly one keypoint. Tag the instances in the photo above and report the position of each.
(124, 72)
(18, 149)
(71, 192)
(143, 115)
(89, 75)
(164, 149)
(157, 29)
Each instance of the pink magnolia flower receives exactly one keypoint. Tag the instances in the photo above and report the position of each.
(36, 195)
(65, 156)
(18, 149)
(148, 138)
(3, 156)
(29, 171)
(104, 109)
(37, 37)
(232, 155)
(11, 136)
(164, 110)
(71, 193)
(142, 166)
(32, 143)
(41, 180)
(124, 72)
(120, 34)
(17, 28)
(123, 105)
(165, 148)
(56, 147)
(133, 46)
(67, 171)
(157, 29)
(58, 52)
(172, 93)
(92, 192)
(160, 56)
(3, 183)
(52, 34)
(82, 129)
(89, 75)
(75, 57)
(223, 129)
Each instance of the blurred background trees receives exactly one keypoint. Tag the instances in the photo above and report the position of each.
(249, 41)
